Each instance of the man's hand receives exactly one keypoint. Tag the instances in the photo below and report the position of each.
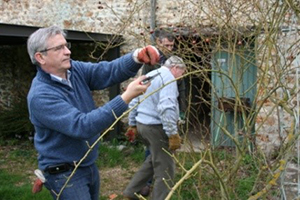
(147, 55)
(134, 89)
(131, 133)
(174, 142)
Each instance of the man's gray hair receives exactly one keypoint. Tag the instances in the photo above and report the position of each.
(174, 61)
(37, 41)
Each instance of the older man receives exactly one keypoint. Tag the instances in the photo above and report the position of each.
(156, 119)
(64, 114)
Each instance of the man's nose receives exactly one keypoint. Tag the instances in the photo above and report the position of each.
(67, 50)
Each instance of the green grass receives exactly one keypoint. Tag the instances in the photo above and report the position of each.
(19, 159)
(17, 186)
(111, 156)
(17, 163)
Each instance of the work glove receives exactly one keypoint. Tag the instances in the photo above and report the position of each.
(147, 55)
(37, 186)
(131, 133)
(174, 142)
(39, 182)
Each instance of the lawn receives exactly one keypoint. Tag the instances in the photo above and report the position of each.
(117, 163)
(18, 162)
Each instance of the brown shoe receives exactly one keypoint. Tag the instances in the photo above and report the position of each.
(145, 191)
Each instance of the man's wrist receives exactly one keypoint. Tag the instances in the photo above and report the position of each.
(126, 98)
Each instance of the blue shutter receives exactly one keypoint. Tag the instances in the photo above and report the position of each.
(234, 80)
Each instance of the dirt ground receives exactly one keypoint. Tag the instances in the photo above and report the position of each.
(114, 180)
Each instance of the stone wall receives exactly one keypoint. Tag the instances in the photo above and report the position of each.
(129, 18)
(279, 112)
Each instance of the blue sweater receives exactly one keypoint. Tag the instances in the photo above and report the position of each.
(66, 118)
(159, 108)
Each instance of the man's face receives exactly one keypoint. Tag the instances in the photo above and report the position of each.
(56, 60)
(177, 71)
(165, 45)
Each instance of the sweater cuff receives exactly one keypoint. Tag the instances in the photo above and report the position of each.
(118, 105)
(131, 64)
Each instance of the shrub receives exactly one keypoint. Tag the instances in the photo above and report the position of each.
(14, 120)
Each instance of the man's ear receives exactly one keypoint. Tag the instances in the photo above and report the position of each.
(172, 69)
(39, 57)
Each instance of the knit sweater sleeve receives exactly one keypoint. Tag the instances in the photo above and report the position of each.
(105, 74)
(57, 114)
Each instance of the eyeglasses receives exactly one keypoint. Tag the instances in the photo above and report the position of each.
(59, 47)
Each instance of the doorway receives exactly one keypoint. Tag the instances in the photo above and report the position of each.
(196, 52)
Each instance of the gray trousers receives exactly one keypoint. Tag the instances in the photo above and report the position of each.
(158, 164)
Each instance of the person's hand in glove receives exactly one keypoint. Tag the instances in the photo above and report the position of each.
(131, 133)
(147, 55)
(174, 142)
(39, 182)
